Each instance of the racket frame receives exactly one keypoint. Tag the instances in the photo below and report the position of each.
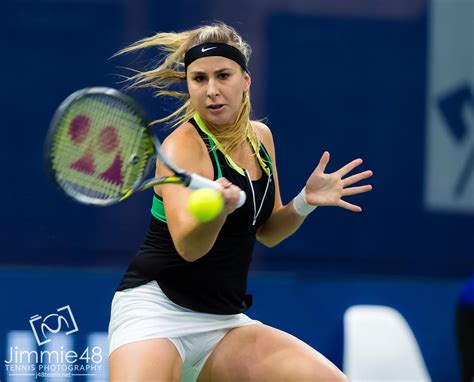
(180, 176)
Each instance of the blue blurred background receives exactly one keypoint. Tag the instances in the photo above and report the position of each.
(389, 81)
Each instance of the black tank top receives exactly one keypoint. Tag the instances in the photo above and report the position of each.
(217, 282)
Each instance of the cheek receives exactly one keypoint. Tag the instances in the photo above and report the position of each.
(238, 94)
(194, 95)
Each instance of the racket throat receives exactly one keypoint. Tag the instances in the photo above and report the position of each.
(183, 179)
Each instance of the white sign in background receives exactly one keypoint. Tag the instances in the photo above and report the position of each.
(449, 164)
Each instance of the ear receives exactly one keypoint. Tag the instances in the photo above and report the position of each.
(247, 82)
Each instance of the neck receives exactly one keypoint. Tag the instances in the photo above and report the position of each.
(230, 137)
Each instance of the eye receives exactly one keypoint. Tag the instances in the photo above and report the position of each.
(223, 76)
(199, 78)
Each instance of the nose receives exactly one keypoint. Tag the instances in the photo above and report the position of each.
(212, 90)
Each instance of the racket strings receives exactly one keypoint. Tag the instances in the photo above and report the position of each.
(81, 172)
(138, 151)
(101, 148)
(71, 170)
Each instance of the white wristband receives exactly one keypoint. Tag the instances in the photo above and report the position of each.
(301, 206)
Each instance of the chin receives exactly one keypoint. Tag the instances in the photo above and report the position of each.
(219, 120)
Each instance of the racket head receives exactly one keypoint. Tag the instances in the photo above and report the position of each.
(99, 147)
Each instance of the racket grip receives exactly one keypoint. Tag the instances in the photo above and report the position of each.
(198, 181)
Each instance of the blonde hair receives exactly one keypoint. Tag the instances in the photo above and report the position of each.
(170, 72)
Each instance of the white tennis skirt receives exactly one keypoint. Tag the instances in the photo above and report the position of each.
(144, 313)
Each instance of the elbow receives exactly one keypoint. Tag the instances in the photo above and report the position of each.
(190, 253)
(271, 244)
(189, 256)
(267, 241)
(189, 259)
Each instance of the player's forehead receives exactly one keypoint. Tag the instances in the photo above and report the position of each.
(212, 64)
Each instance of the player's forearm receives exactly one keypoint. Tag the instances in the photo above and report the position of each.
(198, 239)
(282, 224)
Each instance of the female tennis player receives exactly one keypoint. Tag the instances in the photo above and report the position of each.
(178, 313)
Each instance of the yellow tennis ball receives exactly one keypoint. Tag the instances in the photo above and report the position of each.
(205, 204)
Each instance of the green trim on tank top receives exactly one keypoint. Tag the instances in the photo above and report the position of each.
(216, 158)
(268, 158)
(158, 209)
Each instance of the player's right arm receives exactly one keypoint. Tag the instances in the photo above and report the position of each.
(192, 239)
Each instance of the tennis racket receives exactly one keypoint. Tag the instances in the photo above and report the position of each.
(100, 148)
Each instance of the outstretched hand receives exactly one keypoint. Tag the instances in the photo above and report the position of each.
(328, 189)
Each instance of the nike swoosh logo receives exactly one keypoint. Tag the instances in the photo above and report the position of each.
(206, 49)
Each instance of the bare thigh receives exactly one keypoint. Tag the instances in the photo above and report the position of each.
(262, 353)
(143, 361)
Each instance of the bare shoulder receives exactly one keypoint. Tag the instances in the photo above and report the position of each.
(185, 148)
(264, 133)
(185, 134)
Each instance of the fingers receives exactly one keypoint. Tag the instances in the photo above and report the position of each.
(323, 162)
(349, 167)
(328, 186)
(230, 194)
(356, 178)
(349, 206)
(356, 190)
(224, 182)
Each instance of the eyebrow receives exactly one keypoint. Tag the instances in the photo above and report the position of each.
(218, 71)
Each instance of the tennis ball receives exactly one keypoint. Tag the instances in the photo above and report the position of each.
(205, 204)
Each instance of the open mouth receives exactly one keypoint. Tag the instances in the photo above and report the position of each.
(215, 107)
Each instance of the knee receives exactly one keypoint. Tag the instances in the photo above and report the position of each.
(338, 376)
(317, 375)
(316, 372)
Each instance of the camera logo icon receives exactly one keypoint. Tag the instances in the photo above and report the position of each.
(52, 324)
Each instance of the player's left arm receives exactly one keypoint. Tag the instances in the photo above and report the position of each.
(321, 189)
